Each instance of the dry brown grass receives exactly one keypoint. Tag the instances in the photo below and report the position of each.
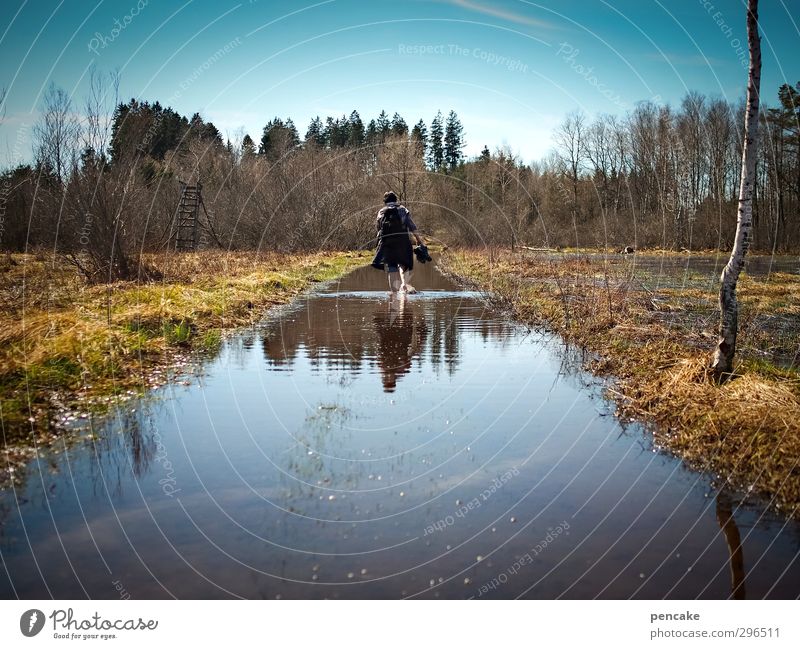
(60, 337)
(658, 344)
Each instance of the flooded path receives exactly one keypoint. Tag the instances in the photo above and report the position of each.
(353, 446)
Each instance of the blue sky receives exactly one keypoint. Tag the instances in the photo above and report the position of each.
(511, 69)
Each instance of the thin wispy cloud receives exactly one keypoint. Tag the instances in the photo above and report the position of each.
(684, 59)
(504, 14)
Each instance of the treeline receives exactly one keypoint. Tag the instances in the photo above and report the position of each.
(105, 185)
(664, 176)
(104, 188)
(154, 131)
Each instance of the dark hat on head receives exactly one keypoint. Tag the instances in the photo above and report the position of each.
(390, 197)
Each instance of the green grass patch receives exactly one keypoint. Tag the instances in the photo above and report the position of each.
(69, 337)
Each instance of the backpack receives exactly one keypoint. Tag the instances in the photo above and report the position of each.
(391, 223)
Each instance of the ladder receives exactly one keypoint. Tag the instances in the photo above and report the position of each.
(187, 218)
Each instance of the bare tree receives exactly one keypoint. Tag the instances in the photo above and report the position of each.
(571, 140)
(505, 179)
(729, 308)
(402, 167)
(100, 104)
(56, 135)
(720, 136)
(599, 151)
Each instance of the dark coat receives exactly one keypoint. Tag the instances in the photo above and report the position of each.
(396, 249)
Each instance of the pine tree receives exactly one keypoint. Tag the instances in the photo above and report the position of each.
(337, 132)
(355, 136)
(315, 134)
(485, 155)
(196, 124)
(344, 130)
(453, 141)
(435, 148)
(371, 134)
(330, 132)
(383, 125)
(278, 137)
(419, 135)
(399, 126)
(269, 137)
(248, 147)
(163, 129)
(293, 138)
(211, 132)
(202, 130)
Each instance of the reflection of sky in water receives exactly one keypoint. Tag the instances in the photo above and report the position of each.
(332, 451)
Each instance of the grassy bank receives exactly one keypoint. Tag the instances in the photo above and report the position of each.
(654, 332)
(64, 343)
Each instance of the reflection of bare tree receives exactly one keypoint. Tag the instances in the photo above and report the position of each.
(326, 330)
(142, 447)
(401, 337)
(309, 470)
(5, 512)
(731, 531)
(238, 349)
(444, 348)
(124, 442)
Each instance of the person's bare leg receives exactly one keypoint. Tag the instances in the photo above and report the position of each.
(407, 281)
(395, 282)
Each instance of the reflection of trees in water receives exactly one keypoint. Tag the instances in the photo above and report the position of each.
(237, 350)
(324, 329)
(444, 341)
(452, 320)
(317, 481)
(5, 512)
(734, 541)
(573, 361)
(323, 430)
(344, 332)
(125, 435)
(125, 443)
(117, 443)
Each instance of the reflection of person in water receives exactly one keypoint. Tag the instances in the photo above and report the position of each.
(400, 337)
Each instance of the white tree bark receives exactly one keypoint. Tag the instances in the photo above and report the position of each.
(729, 307)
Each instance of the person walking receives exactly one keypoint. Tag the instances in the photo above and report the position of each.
(394, 224)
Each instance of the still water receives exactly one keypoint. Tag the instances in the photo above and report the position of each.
(356, 446)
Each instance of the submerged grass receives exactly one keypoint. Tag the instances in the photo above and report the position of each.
(63, 341)
(657, 343)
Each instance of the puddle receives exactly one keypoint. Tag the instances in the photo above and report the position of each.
(354, 446)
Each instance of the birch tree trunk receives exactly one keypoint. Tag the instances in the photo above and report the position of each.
(729, 308)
